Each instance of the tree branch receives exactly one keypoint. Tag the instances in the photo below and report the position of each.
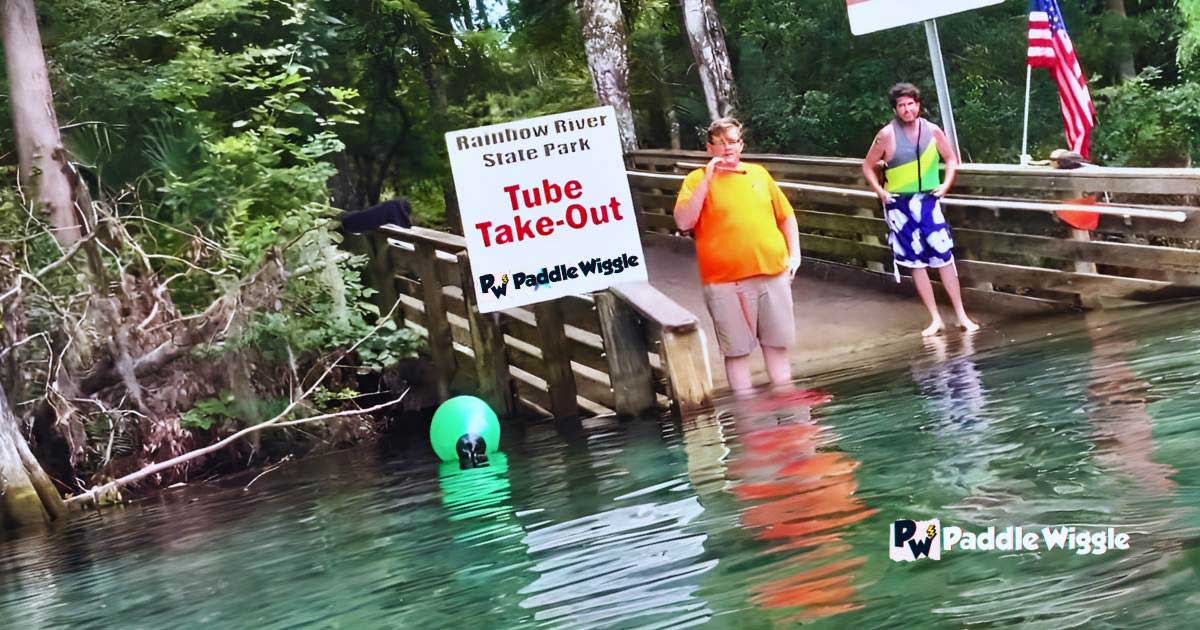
(97, 491)
(91, 497)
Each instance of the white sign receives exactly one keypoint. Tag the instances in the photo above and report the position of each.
(546, 208)
(868, 16)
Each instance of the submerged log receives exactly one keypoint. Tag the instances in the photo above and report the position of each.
(27, 495)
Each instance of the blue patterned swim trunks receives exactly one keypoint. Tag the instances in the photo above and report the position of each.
(917, 231)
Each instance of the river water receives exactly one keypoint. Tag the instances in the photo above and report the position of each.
(764, 513)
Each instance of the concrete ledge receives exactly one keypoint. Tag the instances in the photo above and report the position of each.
(976, 299)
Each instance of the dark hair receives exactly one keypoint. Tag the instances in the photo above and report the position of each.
(900, 90)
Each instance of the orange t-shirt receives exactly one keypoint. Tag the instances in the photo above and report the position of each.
(738, 235)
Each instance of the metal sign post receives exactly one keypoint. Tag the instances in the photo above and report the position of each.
(943, 87)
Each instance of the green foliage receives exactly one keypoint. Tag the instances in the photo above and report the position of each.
(1149, 125)
(224, 412)
(1189, 43)
(230, 132)
(213, 129)
(210, 411)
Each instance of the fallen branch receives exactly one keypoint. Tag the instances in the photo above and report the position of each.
(66, 256)
(22, 342)
(97, 491)
(94, 494)
(206, 324)
(268, 470)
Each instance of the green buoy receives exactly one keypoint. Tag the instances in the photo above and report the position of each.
(464, 429)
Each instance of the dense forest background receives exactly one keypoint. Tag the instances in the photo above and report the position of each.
(217, 135)
(151, 89)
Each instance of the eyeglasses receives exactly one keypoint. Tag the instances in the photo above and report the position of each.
(720, 145)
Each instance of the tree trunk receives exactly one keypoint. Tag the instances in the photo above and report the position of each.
(673, 127)
(60, 195)
(1125, 66)
(481, 9)
(468, 19)
(453, 212)
(27, 496)
(707, 38)
(432, 73)
(430, 52)
(604, 40)
(12, 325)
(665, 100)
(42, 160)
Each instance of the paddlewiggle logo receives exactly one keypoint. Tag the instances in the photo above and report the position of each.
(911, 540)
(547, 276)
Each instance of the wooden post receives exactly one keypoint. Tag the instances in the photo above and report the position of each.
(685, 358)
(627, 355)
(556, 356)
(487, 340)
(870, 239)
(441, 343)
(686, 361)
(382, 265)
(1085, 300)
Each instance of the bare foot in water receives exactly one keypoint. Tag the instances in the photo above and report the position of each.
(967, 325)
(934, 328)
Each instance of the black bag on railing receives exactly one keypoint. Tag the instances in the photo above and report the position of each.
(395, 211)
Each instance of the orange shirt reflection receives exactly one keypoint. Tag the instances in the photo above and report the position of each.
(804, 499)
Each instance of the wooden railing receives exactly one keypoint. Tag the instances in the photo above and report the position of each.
(1009, 240)
(627, 350)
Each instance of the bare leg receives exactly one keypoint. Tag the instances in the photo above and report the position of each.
(925, 290)
(737, 371)
(949, 275)
(779, 365)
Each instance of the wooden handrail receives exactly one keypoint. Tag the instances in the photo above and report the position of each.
(683, 348)
(442, 240)
(655, 307)
(1093, 172)
(1003, 204)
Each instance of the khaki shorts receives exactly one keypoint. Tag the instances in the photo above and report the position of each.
(747, 312)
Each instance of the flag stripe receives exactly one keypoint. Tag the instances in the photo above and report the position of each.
(1050, 47)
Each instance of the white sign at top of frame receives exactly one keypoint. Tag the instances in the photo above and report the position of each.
(868, 16)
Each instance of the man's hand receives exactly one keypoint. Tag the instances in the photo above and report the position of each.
(941, 191)
(710, 169)
(885, 197)
(793, 264)
(717, 165)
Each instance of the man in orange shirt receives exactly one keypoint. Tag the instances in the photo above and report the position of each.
(748, 247)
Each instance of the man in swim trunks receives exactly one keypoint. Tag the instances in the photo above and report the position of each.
(912, 149)
(748, 247)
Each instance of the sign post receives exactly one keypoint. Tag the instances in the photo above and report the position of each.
(546, 208)
(943, 87)
(869, 16)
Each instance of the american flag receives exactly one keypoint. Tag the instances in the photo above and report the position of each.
(1050, 47)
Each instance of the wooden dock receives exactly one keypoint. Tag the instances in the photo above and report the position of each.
(634, 349)
(1008, 237)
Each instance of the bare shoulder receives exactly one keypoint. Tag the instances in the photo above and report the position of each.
(883, 142)
(937, 131)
